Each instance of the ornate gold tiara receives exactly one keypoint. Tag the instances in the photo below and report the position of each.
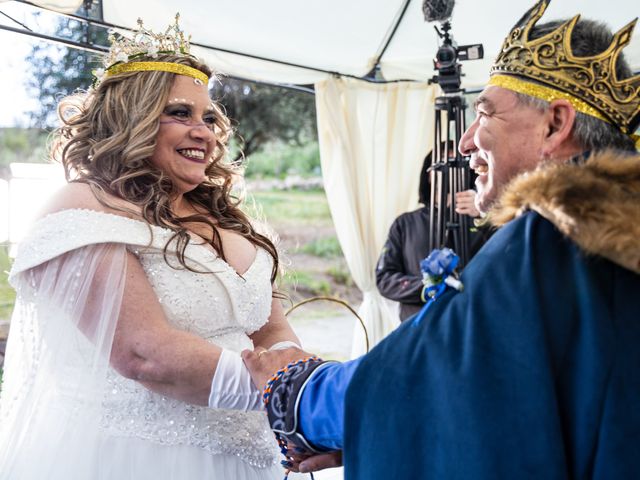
(124, 53)
(589, 83)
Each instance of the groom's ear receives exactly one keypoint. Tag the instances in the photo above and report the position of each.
(560, 118)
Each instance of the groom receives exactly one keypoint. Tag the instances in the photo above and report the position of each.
(533, 370)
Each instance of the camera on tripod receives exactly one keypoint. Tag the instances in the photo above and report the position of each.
(447, 57)
(449, 170)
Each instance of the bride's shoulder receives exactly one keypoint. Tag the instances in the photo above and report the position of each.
(81, 196)
(73, 218)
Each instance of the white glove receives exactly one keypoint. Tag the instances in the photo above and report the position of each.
(232, 387)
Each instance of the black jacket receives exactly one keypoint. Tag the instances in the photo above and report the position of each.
(398, 274)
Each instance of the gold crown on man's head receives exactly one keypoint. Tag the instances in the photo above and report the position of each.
(125, 52)
(589, 83)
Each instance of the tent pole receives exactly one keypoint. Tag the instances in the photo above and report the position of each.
(100, 49)
(62, 41)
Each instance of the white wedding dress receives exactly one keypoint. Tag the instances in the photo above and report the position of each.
(66, 414)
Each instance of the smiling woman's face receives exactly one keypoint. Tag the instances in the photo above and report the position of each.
(185, 139)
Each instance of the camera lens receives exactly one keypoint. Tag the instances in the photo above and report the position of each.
(446, 56)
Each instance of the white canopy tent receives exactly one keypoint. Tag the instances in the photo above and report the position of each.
(373, 136)
(343, 37)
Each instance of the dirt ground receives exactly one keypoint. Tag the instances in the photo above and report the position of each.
(291, 239)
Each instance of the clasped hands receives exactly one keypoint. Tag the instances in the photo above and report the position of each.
(262, 364)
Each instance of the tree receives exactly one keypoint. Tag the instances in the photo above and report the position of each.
(263, 113)
(59, 71)
(24, 145)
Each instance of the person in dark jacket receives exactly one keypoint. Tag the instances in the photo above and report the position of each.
(398, 275)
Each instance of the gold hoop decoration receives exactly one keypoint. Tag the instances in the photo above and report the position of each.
(339, 301)
(177, 68)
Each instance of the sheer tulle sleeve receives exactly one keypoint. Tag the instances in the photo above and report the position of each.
(57, 359)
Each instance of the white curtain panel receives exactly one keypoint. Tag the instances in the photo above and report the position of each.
(373, 140)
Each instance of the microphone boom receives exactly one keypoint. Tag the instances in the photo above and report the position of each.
(437, 10)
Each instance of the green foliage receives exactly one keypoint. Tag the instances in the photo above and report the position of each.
(326, 247)
(59, 71)
(27, 145)
(262, 114)
(289, 208)
(7, 294)
(278, 160)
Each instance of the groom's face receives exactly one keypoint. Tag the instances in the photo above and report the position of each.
(504, 140)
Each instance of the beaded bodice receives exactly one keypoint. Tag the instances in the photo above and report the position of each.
(218, 305)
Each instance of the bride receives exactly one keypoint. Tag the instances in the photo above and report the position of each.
(137, 289)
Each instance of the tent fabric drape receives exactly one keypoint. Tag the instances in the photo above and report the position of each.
(373, 139)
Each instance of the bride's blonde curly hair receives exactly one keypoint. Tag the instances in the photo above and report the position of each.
(108, 136)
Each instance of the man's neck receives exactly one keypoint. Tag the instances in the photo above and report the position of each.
(566, 152)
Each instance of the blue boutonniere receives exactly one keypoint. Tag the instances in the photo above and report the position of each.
(438, 273)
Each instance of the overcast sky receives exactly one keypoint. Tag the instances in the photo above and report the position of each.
(14, 100)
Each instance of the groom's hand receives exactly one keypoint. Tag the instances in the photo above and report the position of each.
(303, 461)
(262, 364)
(313, 463)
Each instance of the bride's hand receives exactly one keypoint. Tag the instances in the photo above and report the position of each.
(262, 364)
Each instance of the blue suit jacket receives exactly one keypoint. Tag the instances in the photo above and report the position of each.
(533, 372)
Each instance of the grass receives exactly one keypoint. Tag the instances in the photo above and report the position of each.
(7, 294)
(289, 207)
(279, 160)
(304, 282)
(289, 210)
(324, 247)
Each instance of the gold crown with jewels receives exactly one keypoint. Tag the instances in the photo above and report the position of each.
(124, 53)
(589, 83)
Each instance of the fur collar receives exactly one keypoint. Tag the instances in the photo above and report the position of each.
(596, 204)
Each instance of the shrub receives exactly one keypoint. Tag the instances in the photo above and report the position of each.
(279, 160)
